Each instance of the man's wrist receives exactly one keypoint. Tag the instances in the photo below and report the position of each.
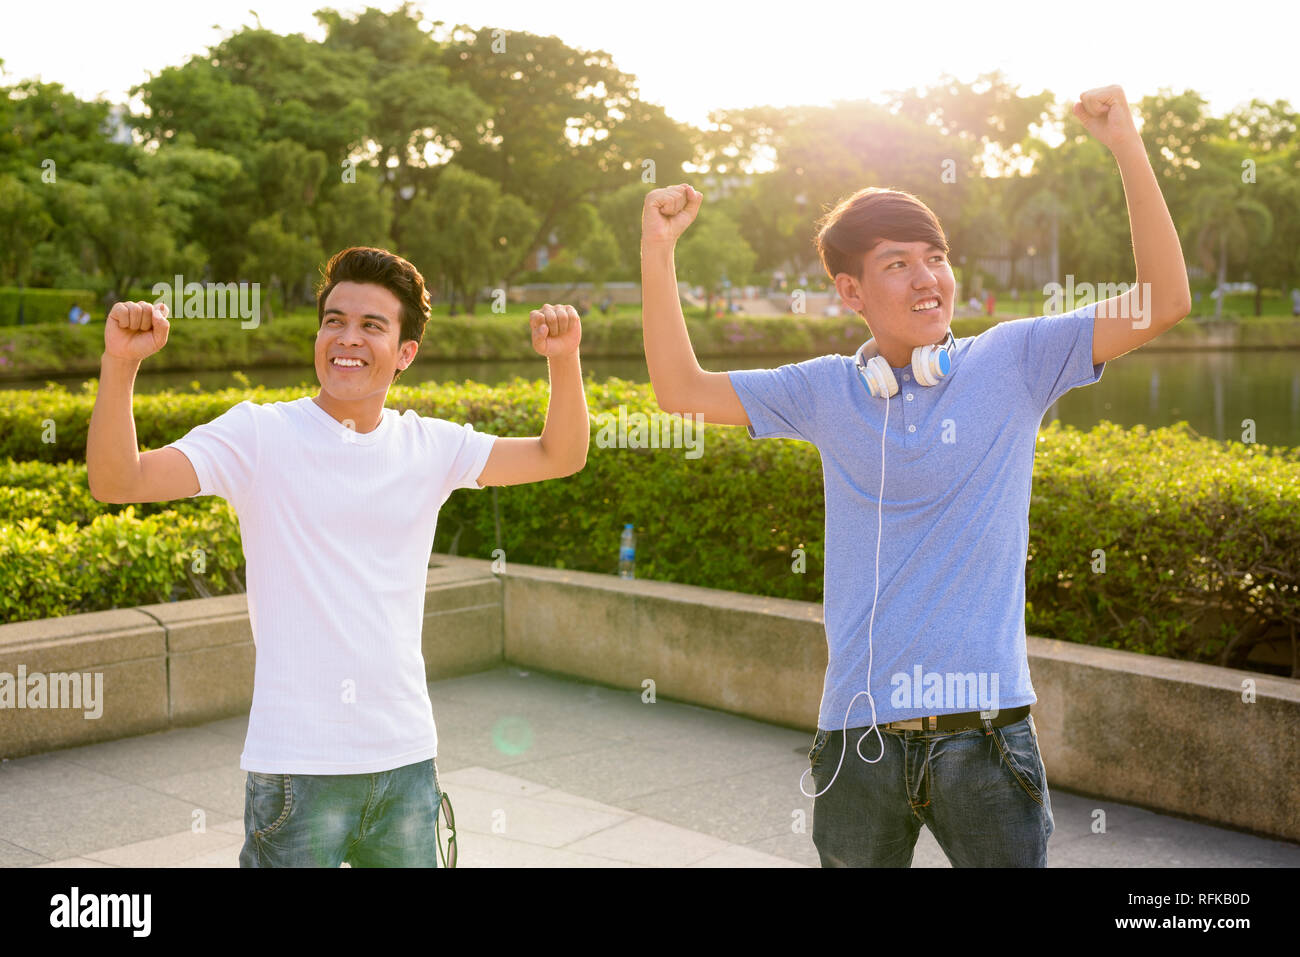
(567, 358)
(1130, 150)
(119, 362)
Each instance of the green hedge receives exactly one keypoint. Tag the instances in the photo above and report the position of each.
(45, 305)
(1200, 538)
(118, 560)
(196, 344)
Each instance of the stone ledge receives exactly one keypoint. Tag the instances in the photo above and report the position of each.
(1172, 736)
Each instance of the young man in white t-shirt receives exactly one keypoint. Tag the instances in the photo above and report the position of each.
(337, 498)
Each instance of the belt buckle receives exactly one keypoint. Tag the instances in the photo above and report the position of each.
(916, 724)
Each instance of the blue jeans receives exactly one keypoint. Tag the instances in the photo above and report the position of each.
(385, 819)
(983, 796)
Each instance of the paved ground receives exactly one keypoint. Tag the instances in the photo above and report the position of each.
(542, 772)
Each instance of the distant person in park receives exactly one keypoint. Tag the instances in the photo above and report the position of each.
(338, 498)
(1295, 302)
(927, 449)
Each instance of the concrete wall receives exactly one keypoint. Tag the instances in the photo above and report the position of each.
(187, 662)
(1163, 734)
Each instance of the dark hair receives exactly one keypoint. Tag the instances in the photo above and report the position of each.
(868, 217)
(379, 267)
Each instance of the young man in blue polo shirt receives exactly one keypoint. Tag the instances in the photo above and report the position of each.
(927, 446)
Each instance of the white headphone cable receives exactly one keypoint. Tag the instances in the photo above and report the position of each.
(880, 499)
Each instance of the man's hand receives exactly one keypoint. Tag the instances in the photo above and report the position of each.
(556, 330)
(668, 212)
(1105, 114)
(135, 330)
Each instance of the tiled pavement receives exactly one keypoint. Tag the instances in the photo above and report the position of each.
(543, 772)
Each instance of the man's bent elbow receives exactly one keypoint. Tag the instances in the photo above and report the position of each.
(668, 403)
(100, 496)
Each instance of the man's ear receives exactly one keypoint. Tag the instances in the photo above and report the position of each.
(850, 291)
(415, 347)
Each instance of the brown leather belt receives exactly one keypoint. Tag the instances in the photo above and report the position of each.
(957, 722)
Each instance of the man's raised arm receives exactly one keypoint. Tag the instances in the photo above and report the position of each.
(115, 469)
(561, 449)
(680, 384)
(1160, 297)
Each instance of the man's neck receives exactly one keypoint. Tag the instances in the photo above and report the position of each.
(900, 356)
(897, 356)
(358, 417)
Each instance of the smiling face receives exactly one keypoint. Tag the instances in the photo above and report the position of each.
(361, 321)
(896, 279)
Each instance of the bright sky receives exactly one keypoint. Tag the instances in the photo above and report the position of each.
(692, 57)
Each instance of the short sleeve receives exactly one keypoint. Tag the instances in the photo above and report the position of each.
(1054, 353)
(781, 403)
(224, 452)
(463, 450)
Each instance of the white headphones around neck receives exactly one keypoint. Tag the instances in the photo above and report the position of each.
(929, 364)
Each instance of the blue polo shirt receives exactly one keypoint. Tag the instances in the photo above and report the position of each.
(949, 626)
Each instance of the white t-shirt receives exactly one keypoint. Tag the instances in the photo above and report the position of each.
(337, 530)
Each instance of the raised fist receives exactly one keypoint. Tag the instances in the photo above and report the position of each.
(557, 330)
(135, 330)
(1104, 112)
(668, 212)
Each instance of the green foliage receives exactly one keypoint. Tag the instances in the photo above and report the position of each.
(266, 151)
(469, 231)
(1200, 538)
(44, 306)
(1200, 541)
(714, 250)
(117, 561)
(219, 344)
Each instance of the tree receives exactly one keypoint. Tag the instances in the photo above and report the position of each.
(128, 223)
(279, 258)
(23, 224)
(355, 214)
(43, 124)
(469, 232)
(714, 250)
(620, 212)
(990, 113)
(420, 115)
(565, 125)
(1224, 223)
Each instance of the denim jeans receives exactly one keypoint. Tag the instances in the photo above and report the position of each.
(385, 819)
(983, 796)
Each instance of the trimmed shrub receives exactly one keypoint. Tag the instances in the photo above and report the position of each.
(45, 305)
(1200, 538)
(197, 344)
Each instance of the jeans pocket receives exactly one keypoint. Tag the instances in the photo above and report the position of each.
(272, 802)
(1018, 746)
(819, 745)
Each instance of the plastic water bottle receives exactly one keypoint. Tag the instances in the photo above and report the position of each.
(627, 553)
